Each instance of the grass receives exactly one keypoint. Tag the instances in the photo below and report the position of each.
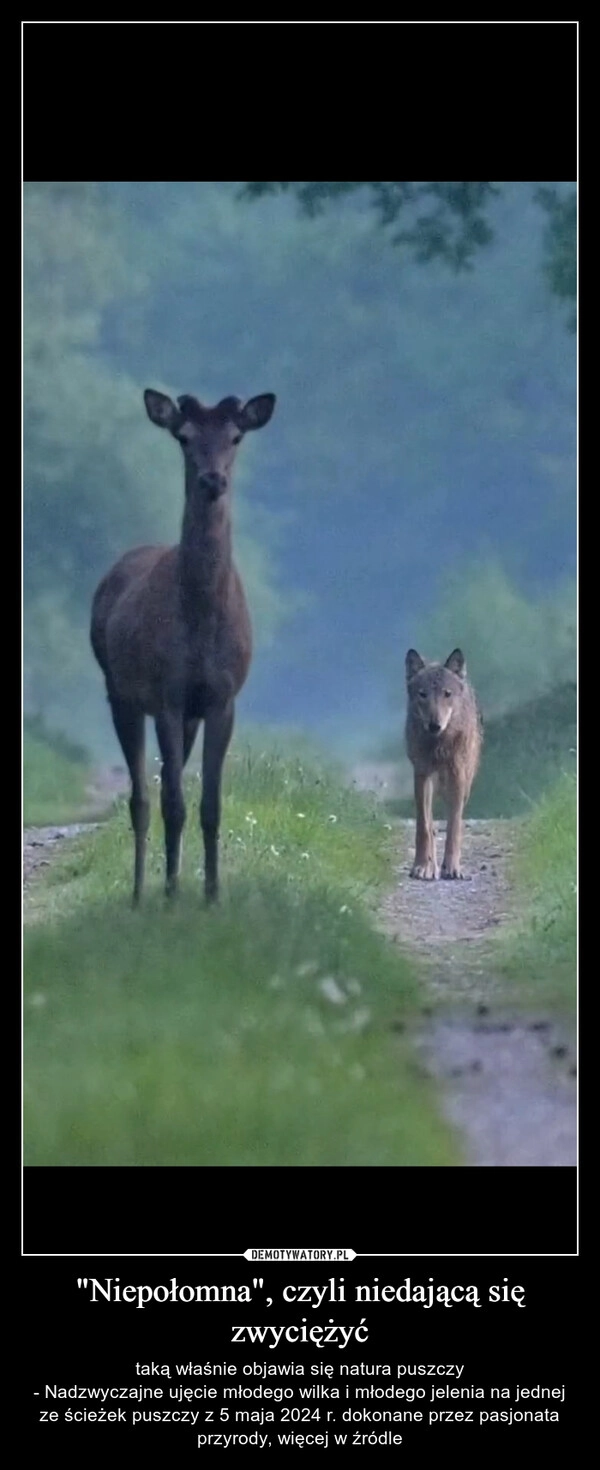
(256, 1033)
(525, 752)
(55, 776)
(540, 953)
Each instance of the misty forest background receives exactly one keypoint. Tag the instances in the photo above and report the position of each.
(416, 485)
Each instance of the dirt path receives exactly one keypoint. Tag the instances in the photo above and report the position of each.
(508, 1080)
(41, 844)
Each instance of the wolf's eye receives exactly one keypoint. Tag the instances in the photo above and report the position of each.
(447, 694)
(422, 694)
(237, 439)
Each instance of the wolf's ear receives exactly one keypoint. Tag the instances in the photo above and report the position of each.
(413, 663)
(456, 663)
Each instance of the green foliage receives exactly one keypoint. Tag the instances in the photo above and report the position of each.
(35, 726)
(256, 1034)
(97, 478)
(55, 775)
(526, 751)
(516, 645)
(434, 415)
(560, 244)
(540, 954)
(448, 221)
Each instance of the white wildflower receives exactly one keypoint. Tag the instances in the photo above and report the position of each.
(332, 991)
(359, 1019)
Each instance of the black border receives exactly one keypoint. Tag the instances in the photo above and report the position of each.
(412, 1211)
(122, 100)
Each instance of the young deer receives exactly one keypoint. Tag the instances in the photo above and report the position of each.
(171, 631)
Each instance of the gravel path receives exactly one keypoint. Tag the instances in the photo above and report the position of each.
(40, 844)
(508, 1081)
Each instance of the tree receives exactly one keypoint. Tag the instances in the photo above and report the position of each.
(447, 221)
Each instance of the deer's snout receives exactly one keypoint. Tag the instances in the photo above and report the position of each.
(213, 483)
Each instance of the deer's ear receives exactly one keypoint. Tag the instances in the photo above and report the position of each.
(161, 410)
(456, 663)
(256, 412)
(413, 663)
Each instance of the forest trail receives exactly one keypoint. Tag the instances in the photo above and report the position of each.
(41, 844)
(508, 1080)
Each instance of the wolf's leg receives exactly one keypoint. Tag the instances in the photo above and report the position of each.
(456, 800)
(424, 865)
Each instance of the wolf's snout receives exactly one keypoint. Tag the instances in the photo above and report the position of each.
(434, 727)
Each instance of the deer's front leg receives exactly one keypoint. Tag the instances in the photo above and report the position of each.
(424, 865)
(451, 865)
(169, 733)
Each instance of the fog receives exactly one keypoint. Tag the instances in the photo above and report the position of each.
(416, 485)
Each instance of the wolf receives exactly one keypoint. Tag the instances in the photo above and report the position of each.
(444, 735)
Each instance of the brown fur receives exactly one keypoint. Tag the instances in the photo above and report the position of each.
(443, 739)
(171, 630)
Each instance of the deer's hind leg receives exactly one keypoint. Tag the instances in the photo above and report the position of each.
(218, 728)
(169, 733)
(130, 726)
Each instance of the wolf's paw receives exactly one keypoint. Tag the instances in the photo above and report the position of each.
(450, 870)
(426, 870)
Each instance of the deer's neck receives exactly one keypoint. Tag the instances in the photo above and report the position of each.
(204, 559)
